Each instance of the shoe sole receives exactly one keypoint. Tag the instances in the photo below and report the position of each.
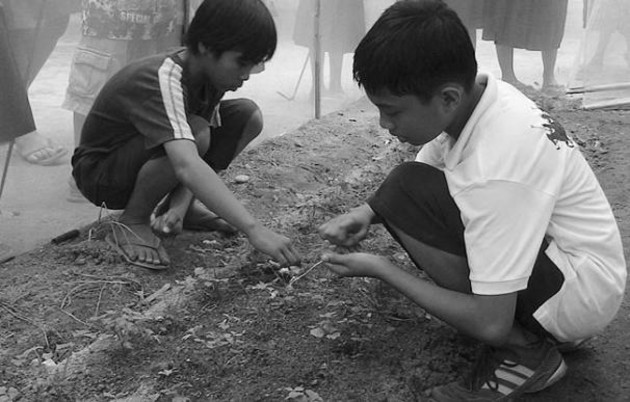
(557, 375)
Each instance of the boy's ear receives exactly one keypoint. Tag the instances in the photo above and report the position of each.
(451, 96)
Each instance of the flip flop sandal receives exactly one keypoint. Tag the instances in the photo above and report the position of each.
(113, 242)
(54, 154)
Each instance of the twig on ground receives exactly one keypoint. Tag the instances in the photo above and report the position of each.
(75, 318)
(89, 285)
(98, 303)
(12, 311)
(303, 274)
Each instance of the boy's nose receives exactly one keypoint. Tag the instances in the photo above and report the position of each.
(258, 68)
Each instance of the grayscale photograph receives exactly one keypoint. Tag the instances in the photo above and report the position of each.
(314, 200)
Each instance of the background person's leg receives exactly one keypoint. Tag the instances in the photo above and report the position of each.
(549, 58)
(16, 117)
(505, 57)
(31, 49)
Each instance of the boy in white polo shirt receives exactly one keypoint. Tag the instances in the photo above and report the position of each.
(500, 208)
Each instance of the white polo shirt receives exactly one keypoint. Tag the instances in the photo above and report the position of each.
(518, 178)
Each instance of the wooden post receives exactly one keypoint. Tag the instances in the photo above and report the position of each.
(318, 60)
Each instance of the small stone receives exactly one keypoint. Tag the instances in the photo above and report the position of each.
(13, 393)
(241, 178)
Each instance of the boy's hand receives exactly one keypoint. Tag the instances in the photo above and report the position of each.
(275, 245)
(169, 223)
(348, 229)
(356, 264)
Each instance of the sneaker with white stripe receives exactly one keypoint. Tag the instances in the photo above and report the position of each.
(503, 374)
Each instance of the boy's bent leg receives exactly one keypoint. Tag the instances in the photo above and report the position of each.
(132, 179)
(419, 212)
(155, 179)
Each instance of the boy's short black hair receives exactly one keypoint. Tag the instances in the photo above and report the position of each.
(241, 25)
(415, 47)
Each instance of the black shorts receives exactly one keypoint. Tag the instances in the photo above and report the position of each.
(415, 199)
(110, 180)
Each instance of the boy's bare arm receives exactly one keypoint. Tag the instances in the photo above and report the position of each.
(207, 186)
(487, 318)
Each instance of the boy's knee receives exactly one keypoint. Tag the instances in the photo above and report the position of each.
(254, 120)
(255, 123)
(410, 174)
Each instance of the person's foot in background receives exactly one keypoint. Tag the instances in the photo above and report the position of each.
(37, 150)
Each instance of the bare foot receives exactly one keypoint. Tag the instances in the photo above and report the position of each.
(38, 150)
(553, 88)
(520, 86)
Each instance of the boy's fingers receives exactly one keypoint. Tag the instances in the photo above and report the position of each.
(291, 257)
(282, 260)
(333, 258)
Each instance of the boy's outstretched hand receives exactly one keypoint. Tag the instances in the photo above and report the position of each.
(275, 245)
(348, 229)
(356, 264)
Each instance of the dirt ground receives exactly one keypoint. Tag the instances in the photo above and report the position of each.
(224, 324)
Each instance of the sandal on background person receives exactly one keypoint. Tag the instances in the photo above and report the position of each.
(37, 150)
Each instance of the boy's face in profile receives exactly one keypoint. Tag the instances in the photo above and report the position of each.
(409, 119)
(228, 71)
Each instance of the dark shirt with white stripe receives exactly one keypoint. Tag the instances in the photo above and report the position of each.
(150, 97)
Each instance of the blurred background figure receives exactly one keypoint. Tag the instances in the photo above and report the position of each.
(471, 14)
(16, 117)
(33, 28)
(606, 18)
(601, 72)
(113, 34)
(342, 25)
(536, 25)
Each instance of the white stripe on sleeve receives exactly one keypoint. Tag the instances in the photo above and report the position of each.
(169, 75)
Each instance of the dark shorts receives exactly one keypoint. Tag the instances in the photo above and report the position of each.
(415, 199)
(109, 181)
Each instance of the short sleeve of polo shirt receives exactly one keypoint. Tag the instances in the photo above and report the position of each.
(505, 223)
(162, 115)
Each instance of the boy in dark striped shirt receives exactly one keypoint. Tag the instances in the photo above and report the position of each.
(159, 129)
